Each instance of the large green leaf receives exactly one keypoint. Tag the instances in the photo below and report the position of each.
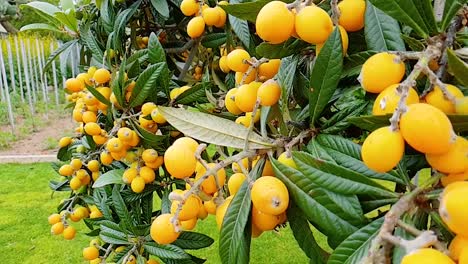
(245, 11)
(339, 121)
(325, 75)
(382, 31)
(161, 7)
(427, 13)
(240, 27)
(356, 246)
(450, 10)
(155, 49)
(194, 94)
(303, 192)
(90, 40)
(212, 129)
(40, 26)
(165, 251)
(110, 177)
(278, 51)
(120, 23)
(214, 40)
(404, 11)
(65, 46)
(112, 233)
(120, 207)
(457, 67)
(371, 123)
(336, 178)
(285, 79)
(98, 95)
(68, 19)
(348, 154)
(304, 237)
(192, 240)
(234, 239)
(146, 83)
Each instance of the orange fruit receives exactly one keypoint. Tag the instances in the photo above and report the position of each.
(437, 99)
(264, 221)
(313, 24)
(90, 253)
(352, 14)
(163, 230)
(380, 71)
(275, 22)
(235, 60)
(387, 101)
(269, 93)
(269, 69)
(196, 27)
(455, 160)
(270, 195)
(101, 76)
(246, 96)
(426, 256)
(235, 182)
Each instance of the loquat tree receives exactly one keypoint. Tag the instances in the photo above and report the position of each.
(349, 116)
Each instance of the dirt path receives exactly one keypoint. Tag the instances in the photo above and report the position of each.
(40, 145)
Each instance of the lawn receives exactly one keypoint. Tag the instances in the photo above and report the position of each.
(25, 202)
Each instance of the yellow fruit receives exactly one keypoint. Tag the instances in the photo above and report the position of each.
(211, 16)
(223, 64)
(91, 70)
(147, 174)
(380, 71)
(264, 221)
(313, 25)
(54, 218)
(186, 142)
(149, 155)
(189, 209)
(242, 120)
(275, 22)
(180, 161)
(269, 69)
(90, 253)
(210, 206)
(451, 178)
(147, 108)
(236, 167)
(344, 42)
(436, 98)
(235, 182)
(129, 175)
(288, 161)
(74, 85)
(102, 76)
(250, 77)
(453, 161)
(174, 93)
(248, 116)
(106, 158)
(246, 96)
(155, 165)
(426, 256)
(196, 27)
(157, 117)
(383, 149)
(387, 101)
(268, 169)
(69, 233)
(269, 93)
(138, 184)
(426, 129)
(202, 213)
(104, 91)
(457, 245)
(270, 195)
(230, 103)
(352, 14)
(221, 211)
(93, 165)
(209, 185)
(235, 60)
(114, 145)
(452, 207)
(189, 224)
(222, 16)
(65, 141)
(57, 228)
(256, 232)
(189, 7)
(75, 183)
(461, 106)
(66, 170)
(76, 164)
(92, 129)
(152, 261)
(99, 140)
(88, 117)
(162, 230)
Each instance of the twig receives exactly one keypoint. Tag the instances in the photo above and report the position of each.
(407, 55)
(435, 81)
(335, 11)
(296, 140)
(185, 47)
(106, 254)
(254, 64)
(451, 32)
(190, 58)
(129, 253)
(416, 232)
(198, 152)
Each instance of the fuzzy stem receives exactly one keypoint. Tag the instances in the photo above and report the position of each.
(435, 81)
(335, 11)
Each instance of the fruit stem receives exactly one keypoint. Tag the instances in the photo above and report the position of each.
(106, 254)
(198, 152)
(335, 11)
(435, 81)
(129, 253)
(416, 232)
(298, 139)
(254, 64)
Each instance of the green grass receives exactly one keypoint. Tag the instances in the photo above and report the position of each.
(25, 202)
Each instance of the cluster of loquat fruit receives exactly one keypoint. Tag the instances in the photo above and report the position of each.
(204, 16)
(59, 222)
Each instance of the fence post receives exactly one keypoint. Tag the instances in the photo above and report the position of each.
(31, 72)
(54, 74)
(41, 77)
(10, 64)
(7, 94)
(43, 70)
(26, 76)
(18, 65)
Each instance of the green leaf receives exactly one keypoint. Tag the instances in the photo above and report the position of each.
(90, 40)
(161, 7)
(192, 240)
(339, 121)
(110, 177)
(373, 204)
(234, 241)
(214, 40)
(348, 154)
(325, 75)
(158, 142)
(165, 251)
(121, 22)
(450, 10)
(107, 15)
(241, 28)
(145, 84)
(278, 51)
(404, 11)
(112, 233)
(303, 192)
(457, 67)
(155, 49)
(194, 94)
(40, 26)
(212, 129)
(371, 123)
(336, 178)
(245, 11)
(120, 207)
(353, 63)
(285, 78)
(304, 237)
(382, 31)
(356, 246)
(65, 46)
(63, 154)
(427, 13)
(68, 19)
(44, 7)
(98, 95)
(414, 44)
